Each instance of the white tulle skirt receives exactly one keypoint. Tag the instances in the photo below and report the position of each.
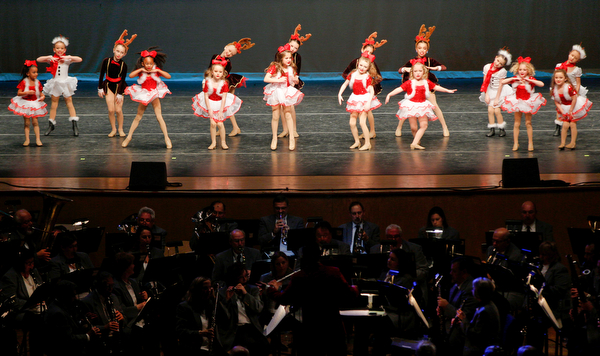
(529, 106)
(27, 108)
(506, 90)
(414, 109)
(357, 102)
(281, 94)
(57, 87)
(232, 105)
(146, 96)
(581, 109)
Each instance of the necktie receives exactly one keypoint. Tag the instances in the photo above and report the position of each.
(357, 242)
(528, 228)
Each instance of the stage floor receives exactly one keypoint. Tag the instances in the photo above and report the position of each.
(321, 161)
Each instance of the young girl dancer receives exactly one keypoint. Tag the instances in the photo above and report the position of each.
(422, 48)
(215, 102)
(295, 42)
(569, 105)
(524, 100)
(61, 83)
(493, 91)
(369, 47)
(280, 93)
(363, 99)
(111, 83)
(29, 101)
(574, 74)
(234, 80)
(149, 89)
(415, 106)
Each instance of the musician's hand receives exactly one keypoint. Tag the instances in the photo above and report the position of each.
(144, 295)
(44, 255)
(460, 315)
(240, 289)
(439, 311)
(574, 293)
(587, 306)
(209, 333)
(364, 236)
(95, 331)
(229, 292)
(278, 225)
(442, 303)
(112, 326)
(91, 315)
(118, 315)
(140, 306)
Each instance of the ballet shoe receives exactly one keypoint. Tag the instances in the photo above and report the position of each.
(570, 146)
(224, 146)
(372, 135)
(530, 147)
(445, 132)
(356, 145)
(361, 136)
(283, 134)
(292, 146)
(112, 133)
(416, 147)
(515, 147)
(26, 143)
(126, 142)
(168, 143)
(398, 132)
(122, 133)
(212, 146)
(561, 147)
(365, 148)
(274, 144)
(296, 134)
(38, 143)
(235, 132)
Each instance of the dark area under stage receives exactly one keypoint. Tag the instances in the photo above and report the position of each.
(322, 149)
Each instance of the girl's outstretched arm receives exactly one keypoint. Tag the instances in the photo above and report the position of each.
(344, 86)
(136, 72)
(45, 59)
(396, 91)
(73, 59)
(444, 90)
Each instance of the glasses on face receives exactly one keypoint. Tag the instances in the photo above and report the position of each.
(145, 220)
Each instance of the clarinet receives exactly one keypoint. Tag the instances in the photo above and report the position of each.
(581, 297)
(454, 323)
(213, 320)
(113, 339)
(442, 318)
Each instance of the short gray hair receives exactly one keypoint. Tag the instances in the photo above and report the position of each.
(393, 226)
(147, 210)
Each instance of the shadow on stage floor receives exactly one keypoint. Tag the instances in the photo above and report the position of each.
(321, 161)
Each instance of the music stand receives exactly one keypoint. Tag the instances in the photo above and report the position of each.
(213, 243)
(395, 295)
(298, 238)
(372, 264)
(116, 242)
(337, 233)
(167, 269)
(40, 294)
(250, 228)
(83, 278)
(505, 278)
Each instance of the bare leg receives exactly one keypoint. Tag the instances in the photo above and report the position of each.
(491, 115)
(36, 130)
(573, 127)
(236, 129)
(213, 134)
(499, 117)
(439, 115)
(293, 111)
(414, 125)
(52, 117)
(516, 129)
(290, 124)
(26, 121)
(423, 123)
(274, 125)
(138, 117)
(223, 141)
(70, 107)
(372, 133)
(529, 131)
(563, 135)
(161, 121)
(365, 130)
(284, 126)
(110, 104)
(399, 128)
(354, 130)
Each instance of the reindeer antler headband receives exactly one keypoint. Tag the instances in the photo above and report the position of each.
(371, 41)
(242, 44)
(424, 35)
(125, 43)
(296, 36)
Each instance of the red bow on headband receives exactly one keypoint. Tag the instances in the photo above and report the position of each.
(286, 47)
(419, 39)
(220, 60)
(417, 60)
(120, 42)
(238, 47)
(367, 55)
(526, 59)
(368, 42)
(29, 63)
(148, 54)
(295, 37)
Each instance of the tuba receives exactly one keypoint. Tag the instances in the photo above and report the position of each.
(51, 208)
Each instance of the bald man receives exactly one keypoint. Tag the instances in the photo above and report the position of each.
(532, 224)
(501, 245)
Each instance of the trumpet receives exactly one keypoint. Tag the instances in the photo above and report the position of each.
(284, 231)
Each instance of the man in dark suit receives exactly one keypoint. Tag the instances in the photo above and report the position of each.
(329, 245)
(68, 259)
(360, 243)
(532, 224)
(272, 231)
(237, 253)
(146, 217)
(501, 245)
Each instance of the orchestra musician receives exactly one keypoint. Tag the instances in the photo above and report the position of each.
(359, 234)
(68, 259)
(273, 228)
(238, 252)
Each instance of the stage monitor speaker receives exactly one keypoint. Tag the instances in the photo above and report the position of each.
(520, 172)
(148, 176)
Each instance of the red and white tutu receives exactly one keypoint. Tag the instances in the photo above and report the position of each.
(529, 106)
(232, 105)
(27, 108)
(564, 98)
(415, 109)
(357, 102)
(282, 93)
(149, 87)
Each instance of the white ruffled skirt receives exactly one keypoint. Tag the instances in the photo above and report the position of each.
(506, 90)
(529, 106)
(413, 109)
(581, 109)
(281, 94)
(145, 96)
(232, 105)
(357, 102)
(27, 108)
(57, 87)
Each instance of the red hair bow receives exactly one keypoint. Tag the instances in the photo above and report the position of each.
(420, 38)
(238, 47)
(526, 59)
(367, 55)
(148, 54)
(220, 60)
(286, 47)
(368, 42)
(29, 63)
(417, 60)
(295, 37)
(120, 42)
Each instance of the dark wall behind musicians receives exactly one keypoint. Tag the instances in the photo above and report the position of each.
(468, 32)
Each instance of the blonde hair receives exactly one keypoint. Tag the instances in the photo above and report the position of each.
(425, 70)
(279, 60)
(208, 72)
(530, 68)
(371, 70)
